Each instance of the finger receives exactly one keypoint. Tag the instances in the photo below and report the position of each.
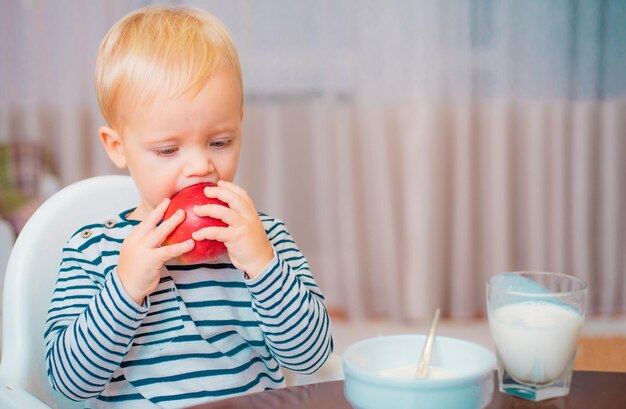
(235, 188)
(160, 233)
(241, 204)
(174, 250)
(230, 197)
(153, 218)
(211, 233)
(223, 213)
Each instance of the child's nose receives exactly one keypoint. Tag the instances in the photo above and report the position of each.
(198, 165)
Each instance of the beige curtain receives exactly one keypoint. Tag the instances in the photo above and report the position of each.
(414, 148)
(407, 208)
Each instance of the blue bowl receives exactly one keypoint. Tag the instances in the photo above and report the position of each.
(365, 388)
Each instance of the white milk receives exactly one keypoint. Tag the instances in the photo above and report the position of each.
(536, 340)
(410, 371)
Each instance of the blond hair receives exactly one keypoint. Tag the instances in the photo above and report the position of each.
(156, 49)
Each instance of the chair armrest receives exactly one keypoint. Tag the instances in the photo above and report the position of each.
(12, 397)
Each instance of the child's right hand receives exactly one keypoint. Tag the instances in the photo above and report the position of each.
(141, 254)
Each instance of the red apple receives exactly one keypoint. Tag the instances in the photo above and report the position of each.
(204, 250)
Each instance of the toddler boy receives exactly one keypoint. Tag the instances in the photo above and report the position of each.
(130, 327)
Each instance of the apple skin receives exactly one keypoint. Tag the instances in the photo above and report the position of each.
(204, 251)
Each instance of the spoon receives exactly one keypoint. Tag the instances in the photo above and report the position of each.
(422, 368)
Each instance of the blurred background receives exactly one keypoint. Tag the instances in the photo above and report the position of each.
(413, 147)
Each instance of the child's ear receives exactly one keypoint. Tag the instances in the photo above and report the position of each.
(113, 145)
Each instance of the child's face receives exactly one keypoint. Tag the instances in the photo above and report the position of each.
(174, 143)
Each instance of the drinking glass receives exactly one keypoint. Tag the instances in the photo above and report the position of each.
(535, 320)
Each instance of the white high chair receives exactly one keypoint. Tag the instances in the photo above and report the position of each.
(7, 238)
(30, 277)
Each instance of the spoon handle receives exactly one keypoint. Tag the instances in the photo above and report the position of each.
(422, 368)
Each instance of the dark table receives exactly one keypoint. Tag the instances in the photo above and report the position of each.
(590, 390)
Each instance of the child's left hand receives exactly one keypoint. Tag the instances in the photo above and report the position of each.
(248, 247)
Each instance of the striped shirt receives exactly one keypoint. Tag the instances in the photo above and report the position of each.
(205, 332)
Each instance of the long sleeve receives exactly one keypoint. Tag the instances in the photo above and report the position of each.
(290, 307)
(90, 327)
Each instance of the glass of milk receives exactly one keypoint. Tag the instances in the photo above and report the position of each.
(535, 320)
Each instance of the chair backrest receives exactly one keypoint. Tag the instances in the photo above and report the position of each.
(32, 270)
(7, 238)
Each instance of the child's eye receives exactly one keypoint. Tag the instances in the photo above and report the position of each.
(166, 151)
(220, 144)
